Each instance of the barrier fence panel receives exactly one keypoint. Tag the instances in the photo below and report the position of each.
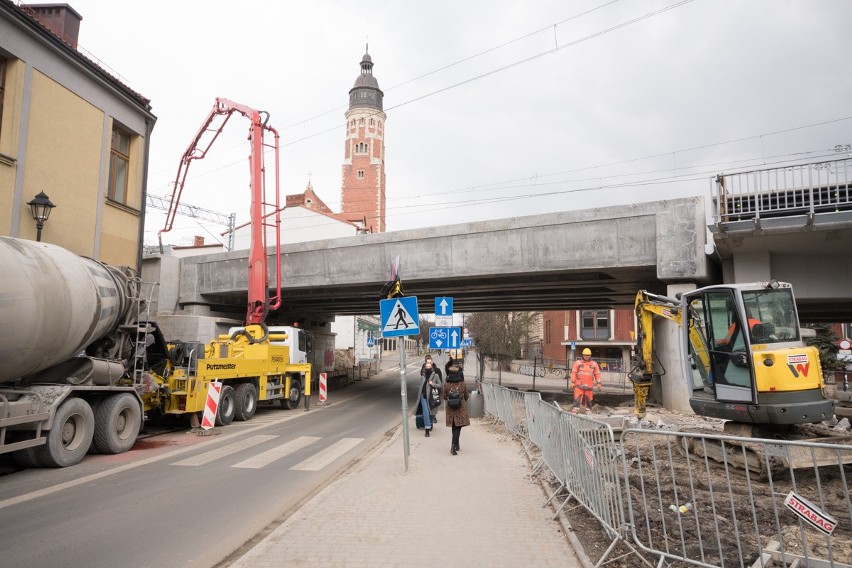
(592, 474)
(546, 433)
(724, 501)
(511, 417)
(580, 452)
(504, 407)
(494, 408)
(489, 402)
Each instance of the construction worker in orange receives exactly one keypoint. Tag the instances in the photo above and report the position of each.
(584, 375)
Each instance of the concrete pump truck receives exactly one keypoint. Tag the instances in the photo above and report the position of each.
(252, 364)
(81, 365)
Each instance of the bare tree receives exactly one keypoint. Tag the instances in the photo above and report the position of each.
(499, 335)
(423, 336)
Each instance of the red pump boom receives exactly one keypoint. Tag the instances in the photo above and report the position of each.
(259, 302)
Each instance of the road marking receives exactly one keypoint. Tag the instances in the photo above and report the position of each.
(126, 467)
(225, 451)
(321, 459)
(277, 453)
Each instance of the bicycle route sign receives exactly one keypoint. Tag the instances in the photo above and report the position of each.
(399, 316)
(444, 337)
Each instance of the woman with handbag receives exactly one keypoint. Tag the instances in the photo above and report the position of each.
(455, 393)
(427, 405)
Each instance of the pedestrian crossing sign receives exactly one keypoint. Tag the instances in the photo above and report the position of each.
(399, 316)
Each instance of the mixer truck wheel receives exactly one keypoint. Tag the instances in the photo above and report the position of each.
(225, 412)
(69, 438)
(245, 398)
(117, 422)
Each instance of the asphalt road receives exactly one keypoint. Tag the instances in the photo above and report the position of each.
(182, 499)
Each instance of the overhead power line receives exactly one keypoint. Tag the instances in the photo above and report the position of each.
(163, 203)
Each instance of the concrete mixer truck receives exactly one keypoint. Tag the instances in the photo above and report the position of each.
(69, 340)
(81, 365)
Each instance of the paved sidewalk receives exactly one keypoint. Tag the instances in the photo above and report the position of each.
(479, 508)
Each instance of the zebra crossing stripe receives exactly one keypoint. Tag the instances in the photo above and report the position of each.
(321, 459)
(276, 453)
(224, 451)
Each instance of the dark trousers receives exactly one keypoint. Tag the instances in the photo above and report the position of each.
(456, 433)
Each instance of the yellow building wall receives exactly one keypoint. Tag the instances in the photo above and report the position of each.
(120, 228)
(9, 138)
(63, 159)
(64, 156)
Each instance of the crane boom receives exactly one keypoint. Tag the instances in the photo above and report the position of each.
(259, 302)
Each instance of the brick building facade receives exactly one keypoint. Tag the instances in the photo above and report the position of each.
(608, 333)
(363, 189)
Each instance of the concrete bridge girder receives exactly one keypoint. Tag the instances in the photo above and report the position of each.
(565, 260)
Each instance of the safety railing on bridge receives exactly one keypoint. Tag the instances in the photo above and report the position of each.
(692, 498)
(804, 189)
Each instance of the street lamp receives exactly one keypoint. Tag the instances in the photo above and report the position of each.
(40, 207)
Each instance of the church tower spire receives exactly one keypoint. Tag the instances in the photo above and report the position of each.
(362, 194)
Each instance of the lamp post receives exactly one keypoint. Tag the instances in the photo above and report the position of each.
(40, 207)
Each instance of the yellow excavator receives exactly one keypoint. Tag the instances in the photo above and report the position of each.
(744, 357)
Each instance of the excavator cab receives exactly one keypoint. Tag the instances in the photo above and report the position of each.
(747, 361)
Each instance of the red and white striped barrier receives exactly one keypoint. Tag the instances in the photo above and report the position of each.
(209, 418)
(323, 389)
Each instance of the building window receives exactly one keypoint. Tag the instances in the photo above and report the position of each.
(119, 165)
(547, 336)
(594, 324)
(372, 122)
(360, 174)
(2, 87)
(360, 122)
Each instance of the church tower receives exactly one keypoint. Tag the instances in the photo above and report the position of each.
(362, 195)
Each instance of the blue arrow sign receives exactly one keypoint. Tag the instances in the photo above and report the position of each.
(399, 316)
(443, 306)
(444, 337)
(455, 337)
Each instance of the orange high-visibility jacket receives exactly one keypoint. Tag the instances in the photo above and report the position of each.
(585, 373)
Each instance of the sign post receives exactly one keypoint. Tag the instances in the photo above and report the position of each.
(400, 318)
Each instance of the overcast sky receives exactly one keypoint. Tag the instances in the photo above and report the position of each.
(496, 108)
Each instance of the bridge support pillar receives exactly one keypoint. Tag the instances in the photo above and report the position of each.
(674, 388)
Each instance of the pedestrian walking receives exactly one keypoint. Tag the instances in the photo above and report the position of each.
(427, 404)
(455, 393)
(426, 359)
(584, 375)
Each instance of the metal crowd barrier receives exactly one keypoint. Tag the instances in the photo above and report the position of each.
(489, 403)
(696, 499)
(579, 451)
(732, 501)
(515, 414)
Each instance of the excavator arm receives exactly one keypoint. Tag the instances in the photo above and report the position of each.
(264, 213)
(648, 306)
